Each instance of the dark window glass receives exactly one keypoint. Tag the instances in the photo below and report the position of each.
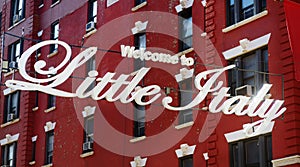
(253, 152)
(41, 2)
(186, 161)
(185, 29)
(186, 96)
(14, 53)
(9, 153)
(33, 151)
(12, 106)
(54, 36)
(92, 11)
(55, 1)
(238, 10)
(17, 11)
(49, 147)
(252, 69)
(88, 134)
(137, 2)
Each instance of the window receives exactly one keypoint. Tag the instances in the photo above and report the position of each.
(252, 69)
(88, 133)
(185, 29)
(14, 53)
(17, 11)
(252, 152)
(41, 2)
(186, 96)
(137, 2)
(238, 10)
(33, 151)
(51, 101)
(139, 111)
(12, 106)
(186, 161)
(49, 147)
(92, 11)
(54, 36)
(9, 152)
(55, 1)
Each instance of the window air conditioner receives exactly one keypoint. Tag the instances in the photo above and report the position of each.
(11, 117)
(246, 90)
(16, 18)
(13, 65)
(87, 146)
(90, 26)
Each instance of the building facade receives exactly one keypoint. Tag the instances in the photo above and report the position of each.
(113, 110)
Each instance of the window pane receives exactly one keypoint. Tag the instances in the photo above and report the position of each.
(252, 152)
(247, 8)
(187, 162)
(142, 41)
(249, 63)
(95, 11)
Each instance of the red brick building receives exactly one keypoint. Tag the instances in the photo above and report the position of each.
(183, 39)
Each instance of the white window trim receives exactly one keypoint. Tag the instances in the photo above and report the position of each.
(8, 91)
(185, 150)
(9, 139)
(246, 46)
(139, 27)
(49, 126)
(246, 21)
(286, 161)
(138, 162)
(184, 125)
(34, 138)
(110, 2)
(137, 139)
(184, 4)
(88, 110)
(241, 135)
(184, 73)
(139, 6)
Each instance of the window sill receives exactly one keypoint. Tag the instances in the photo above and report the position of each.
(50, 109)
(52, 54)
(246, 21)
(84, 155)
(137, 139)
(10, 73)
(48, 165)
(54, 4)
(286, 161)
(139, 6)
(16, 24)
(10, 123)
(42, 5)
(35, 108)
(184, 125)
(184, 52)
(31, 162)
(90, 33)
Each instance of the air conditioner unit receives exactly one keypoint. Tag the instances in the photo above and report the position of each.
(13, 65)
(16, 18)
(87, 146)
(90, 26)
(11, 117)
(246, 90)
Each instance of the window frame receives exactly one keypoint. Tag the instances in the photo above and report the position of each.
(33, 152)
(263, 147)
(13, 56)
(186, 87)
(8, 103)
(49, 153)
(182, 159)
(5, 154)
(88, 137)
(236, 75)
(54, 36)
(258, 7)
(92, 14)
(183, 16)
(16, 10)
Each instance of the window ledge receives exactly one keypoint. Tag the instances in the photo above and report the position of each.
(50, 109)
(90, 33)
(137, 139)
(184, 125)
(286, 161)
(184, 52)
(48, 165)
(54, 4)
(246, 21)
(31, 162)
(42, 5)
(19, 22)
(11, 72)
(139, 6)
(10, 123)
(87, 154)
(35, 108)
(52, 54)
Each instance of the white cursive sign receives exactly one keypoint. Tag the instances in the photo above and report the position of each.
(267, 109)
